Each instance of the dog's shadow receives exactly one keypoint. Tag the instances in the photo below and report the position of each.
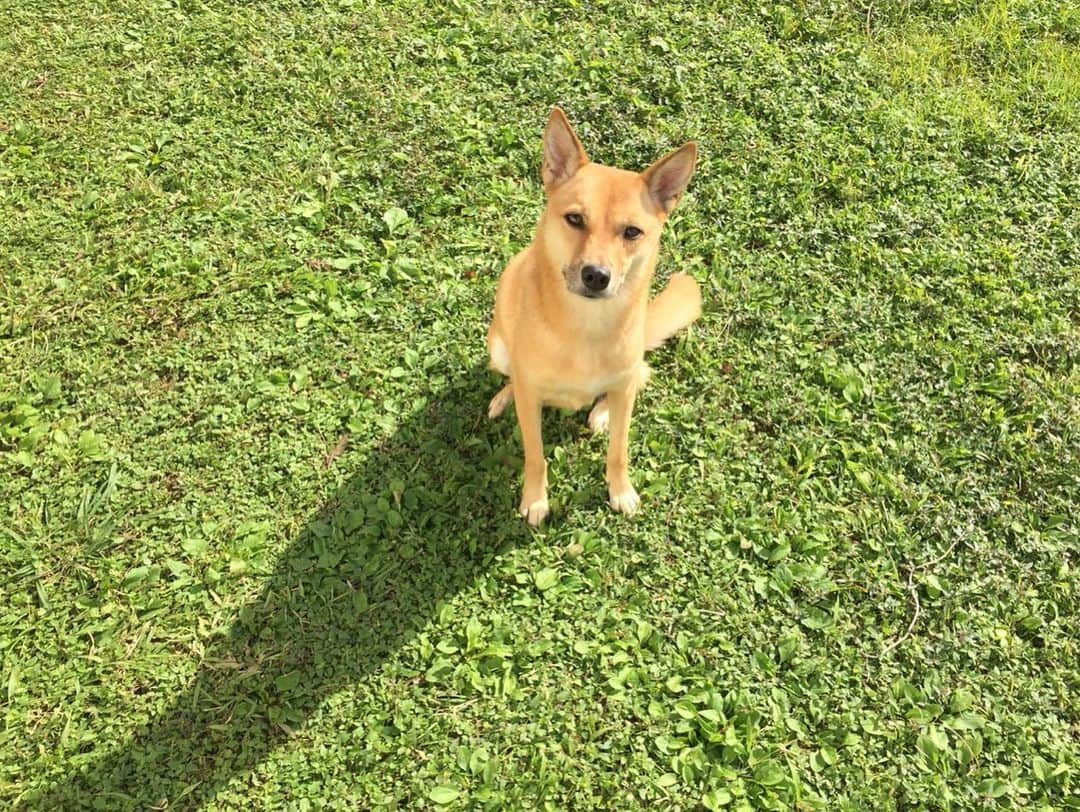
(417, 521)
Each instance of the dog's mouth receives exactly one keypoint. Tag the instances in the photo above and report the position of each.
(585, 293)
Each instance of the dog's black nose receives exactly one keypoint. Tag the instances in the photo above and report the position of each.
(595, 278)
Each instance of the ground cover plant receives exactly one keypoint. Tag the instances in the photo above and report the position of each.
(258, 545)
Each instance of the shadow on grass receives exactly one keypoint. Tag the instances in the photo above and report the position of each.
(362, 578)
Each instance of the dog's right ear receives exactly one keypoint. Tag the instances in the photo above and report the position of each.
(563, 153)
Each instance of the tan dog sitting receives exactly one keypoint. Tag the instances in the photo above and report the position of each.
(572, 312)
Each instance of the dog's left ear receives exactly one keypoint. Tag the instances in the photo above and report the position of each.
(667, 178)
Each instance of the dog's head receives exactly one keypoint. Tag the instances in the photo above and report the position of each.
(601, 225)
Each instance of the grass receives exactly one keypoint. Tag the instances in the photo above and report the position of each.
(258, 543)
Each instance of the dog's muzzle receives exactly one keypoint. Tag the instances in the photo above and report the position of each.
(591, 281)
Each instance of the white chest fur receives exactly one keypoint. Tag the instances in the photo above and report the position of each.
(575, 394)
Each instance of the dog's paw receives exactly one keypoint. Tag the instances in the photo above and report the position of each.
(500, 401)
(626, 500)
(534, 512)
(598, 417)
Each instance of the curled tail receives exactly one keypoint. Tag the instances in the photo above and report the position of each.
(675, 307)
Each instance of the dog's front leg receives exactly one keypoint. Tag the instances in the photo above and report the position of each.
(620, 404)
(534, 503)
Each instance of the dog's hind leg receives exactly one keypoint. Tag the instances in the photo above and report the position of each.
(599, 416)
(501, 401)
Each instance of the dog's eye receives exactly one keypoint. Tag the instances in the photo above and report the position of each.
(575, 220)
(631, 232)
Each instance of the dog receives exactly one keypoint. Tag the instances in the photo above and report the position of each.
(573, 318)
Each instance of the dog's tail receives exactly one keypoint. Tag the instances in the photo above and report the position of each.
(676, 306)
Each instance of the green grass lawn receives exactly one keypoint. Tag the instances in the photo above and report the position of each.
(258, 545)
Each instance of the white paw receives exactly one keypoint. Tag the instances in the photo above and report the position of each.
(500, 402)
(535, 512)
(598, 417)
(626, 501)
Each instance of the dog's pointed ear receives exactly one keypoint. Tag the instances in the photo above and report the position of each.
(563, 153)
(667, 178)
